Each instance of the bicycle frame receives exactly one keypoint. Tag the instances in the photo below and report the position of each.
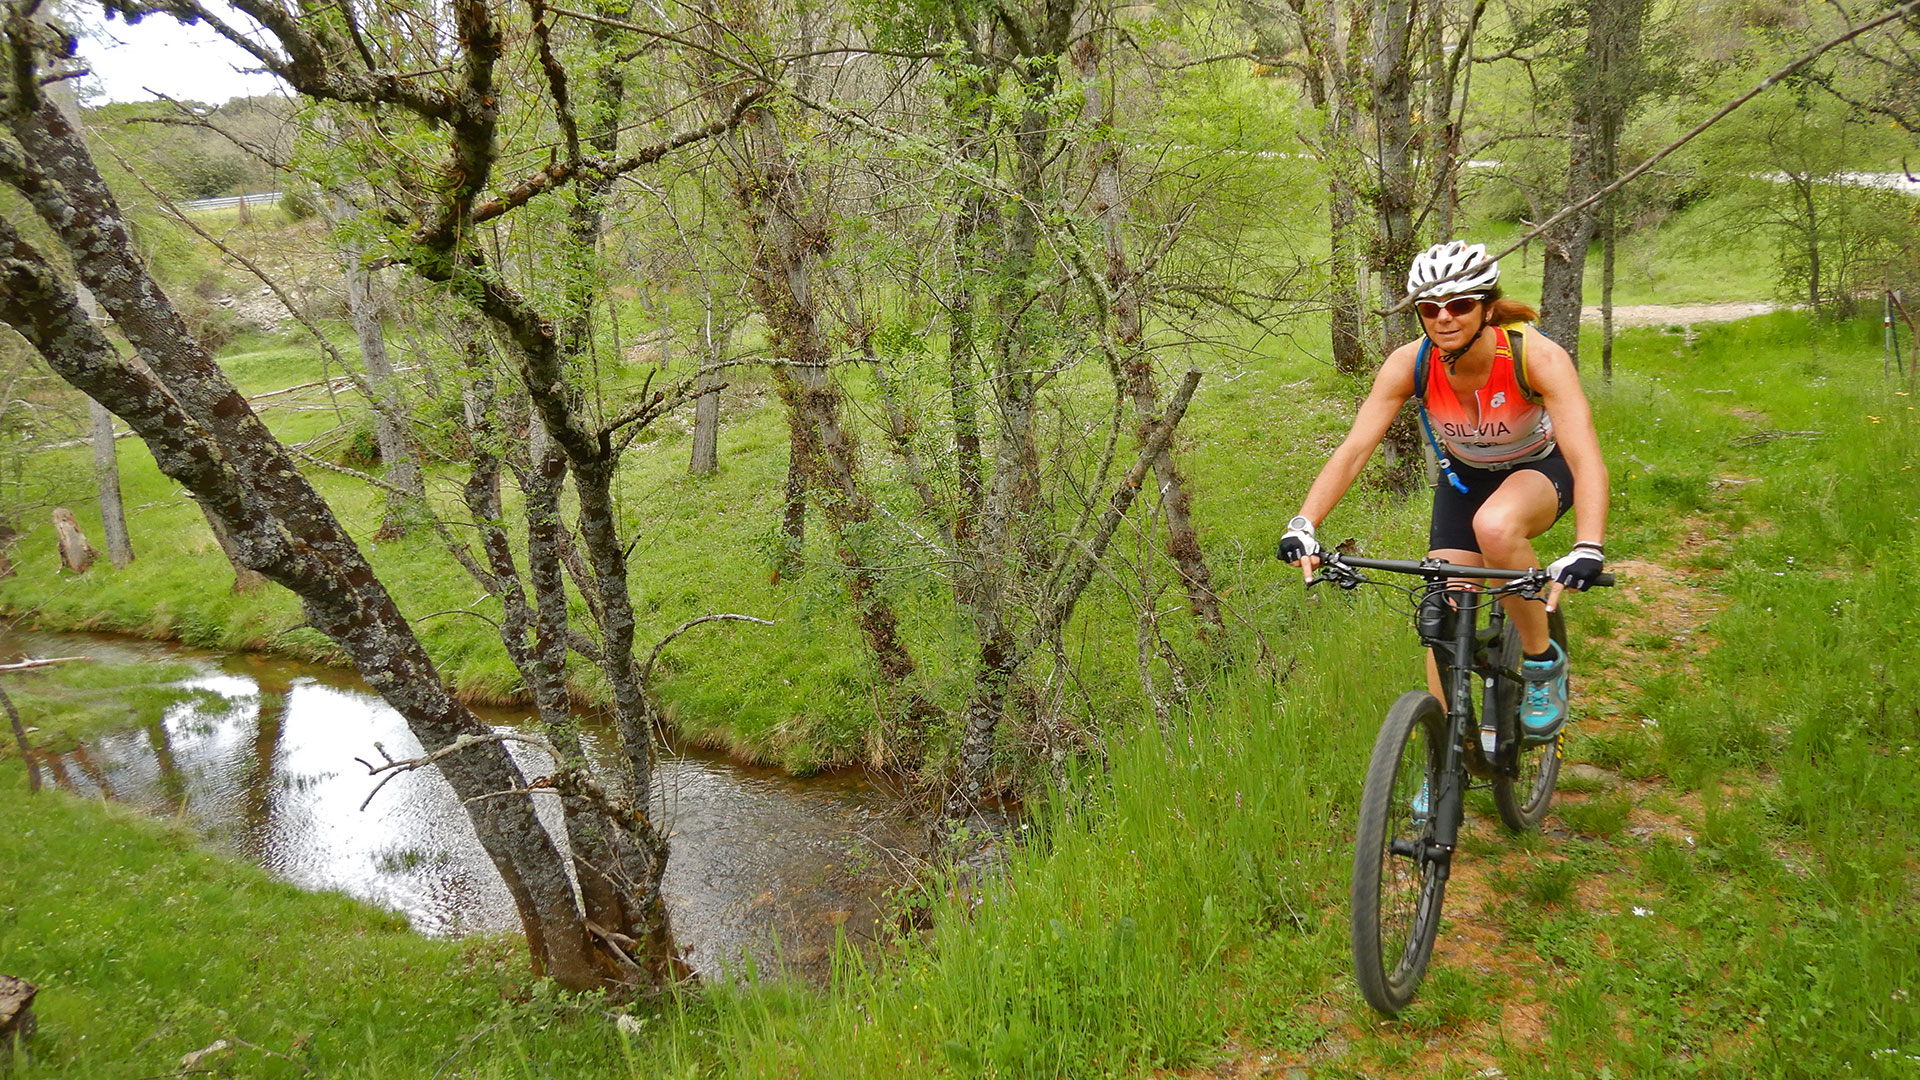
(1449, 625)
(1412, 806)
(1448, 619)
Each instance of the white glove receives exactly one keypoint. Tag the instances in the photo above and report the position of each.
(1577, 568)
(1298, 542)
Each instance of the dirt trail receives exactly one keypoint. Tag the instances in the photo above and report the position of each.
(1659, 621)
(1678, 314)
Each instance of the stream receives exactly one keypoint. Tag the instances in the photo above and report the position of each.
(258, 754)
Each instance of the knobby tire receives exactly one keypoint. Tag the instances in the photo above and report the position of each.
(1397, 896)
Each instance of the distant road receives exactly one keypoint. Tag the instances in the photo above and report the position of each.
(231, 202)
(1887, 181)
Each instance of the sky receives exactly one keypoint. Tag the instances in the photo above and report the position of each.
(183, 62)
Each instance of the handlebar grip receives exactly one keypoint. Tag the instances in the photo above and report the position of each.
(1603, 579)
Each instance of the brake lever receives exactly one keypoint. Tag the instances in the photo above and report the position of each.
(1345, 578)
(1529, 587)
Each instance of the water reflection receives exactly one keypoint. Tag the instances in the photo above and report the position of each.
(259, 754)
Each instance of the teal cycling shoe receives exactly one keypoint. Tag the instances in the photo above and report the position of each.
(1543, 708)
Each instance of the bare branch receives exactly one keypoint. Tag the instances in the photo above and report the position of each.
(646, 669)
(490, 621)
(561, 172)
(1124, 493)
(391, 767)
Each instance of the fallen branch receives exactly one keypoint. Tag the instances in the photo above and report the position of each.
(25, 665)
(366, 478)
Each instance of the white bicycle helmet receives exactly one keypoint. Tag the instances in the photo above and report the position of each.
(1433, 272)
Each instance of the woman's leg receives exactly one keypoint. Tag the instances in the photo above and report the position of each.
(1458, 557)
(1524, 506)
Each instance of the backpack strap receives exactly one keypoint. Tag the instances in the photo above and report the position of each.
(1517, 345)
(1426, 423)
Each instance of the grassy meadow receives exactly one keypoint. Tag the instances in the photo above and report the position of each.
(1726, 888)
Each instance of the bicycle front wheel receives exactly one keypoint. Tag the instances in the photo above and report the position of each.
(1523, 799)
(1397, 880)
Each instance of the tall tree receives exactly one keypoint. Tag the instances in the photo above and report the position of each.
(786, 220)
(1333, 76)
(1126, 295)
(1602, 82)
(406, 490)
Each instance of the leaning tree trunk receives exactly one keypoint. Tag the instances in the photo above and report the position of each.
(205, 436)
(245, 578)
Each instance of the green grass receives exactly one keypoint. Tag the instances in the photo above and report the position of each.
(146, 948)
(1692, 257)
(1181, 903)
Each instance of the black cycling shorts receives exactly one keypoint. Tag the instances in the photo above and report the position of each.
(1453, 512)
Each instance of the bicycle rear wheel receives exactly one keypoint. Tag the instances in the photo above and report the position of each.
(1523, 799)
(1397, 883)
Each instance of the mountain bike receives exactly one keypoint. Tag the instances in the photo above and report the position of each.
(1427, 757)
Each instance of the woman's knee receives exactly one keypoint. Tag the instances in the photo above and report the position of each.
(1498, 529)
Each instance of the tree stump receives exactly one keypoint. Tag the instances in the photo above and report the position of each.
(75, 553)
(16, 1016)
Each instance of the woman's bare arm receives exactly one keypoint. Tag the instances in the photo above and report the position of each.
(1391, 389)
(1555, 379)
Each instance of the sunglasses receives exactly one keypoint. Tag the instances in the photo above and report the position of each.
(1456, 307)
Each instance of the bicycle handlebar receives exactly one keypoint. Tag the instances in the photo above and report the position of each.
(1435, 570)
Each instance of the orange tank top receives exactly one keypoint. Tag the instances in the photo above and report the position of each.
(1509, 430)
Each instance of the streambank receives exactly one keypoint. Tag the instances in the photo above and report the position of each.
(260, 755)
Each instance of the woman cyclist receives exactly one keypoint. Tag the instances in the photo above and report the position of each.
(1503, 407)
